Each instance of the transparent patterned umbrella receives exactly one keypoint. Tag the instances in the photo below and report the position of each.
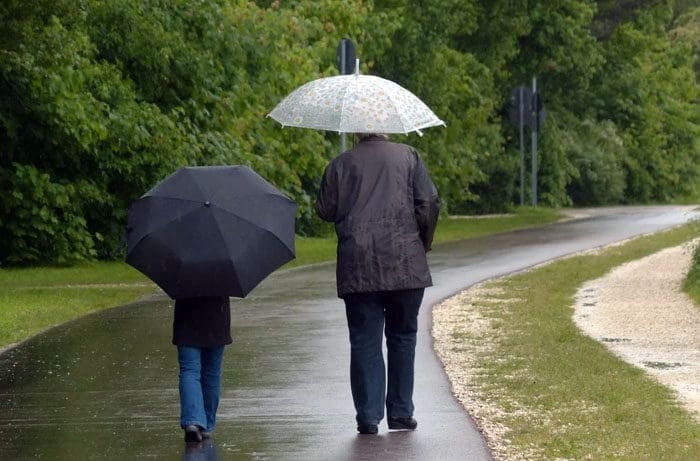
(355, 104)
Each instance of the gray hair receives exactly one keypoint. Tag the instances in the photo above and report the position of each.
(362, 136)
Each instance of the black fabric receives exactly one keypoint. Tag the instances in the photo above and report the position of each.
(202, 322)
(210, 231)
(385, 208)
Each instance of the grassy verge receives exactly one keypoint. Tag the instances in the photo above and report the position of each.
(458, 228)
(691, 285)
(314, 250)
(34, 299)
(562, 394)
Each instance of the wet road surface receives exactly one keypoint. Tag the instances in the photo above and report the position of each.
(105, 386)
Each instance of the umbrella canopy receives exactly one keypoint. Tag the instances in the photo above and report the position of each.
(355, 104)
(210, 231)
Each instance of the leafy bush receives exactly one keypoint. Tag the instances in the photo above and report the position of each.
(104, 98)
(45, 219)
(597, 154)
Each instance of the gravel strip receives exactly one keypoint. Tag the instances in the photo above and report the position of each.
(669, 344)
(460, 331)
(640, 313)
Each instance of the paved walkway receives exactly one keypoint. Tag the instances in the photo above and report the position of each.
(105, 386)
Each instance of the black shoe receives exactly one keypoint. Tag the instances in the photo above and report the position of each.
(192, 434)
(367, 428)
(407, 423)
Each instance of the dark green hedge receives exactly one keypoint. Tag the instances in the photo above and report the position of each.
(100, 99)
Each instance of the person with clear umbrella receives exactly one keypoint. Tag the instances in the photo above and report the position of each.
(385, 207)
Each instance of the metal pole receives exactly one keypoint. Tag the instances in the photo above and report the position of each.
(522, 146)
(534, 142)
(342, 72)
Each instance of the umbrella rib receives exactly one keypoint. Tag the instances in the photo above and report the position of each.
(268, 194)
(342, 103)
(395, 108)
(415, 128)
(228, 250)
(264, 194)
(168, 221)
(252, 223)
(193, 210)
(195, 183)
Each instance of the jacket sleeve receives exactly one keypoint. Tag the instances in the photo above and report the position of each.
(426, 203)
(327, 200)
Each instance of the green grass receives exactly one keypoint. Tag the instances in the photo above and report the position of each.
(26, 312)
(87, 273)
(691, 284)
(34, 299)
(574, 399)
(314, 250)
(460, 228)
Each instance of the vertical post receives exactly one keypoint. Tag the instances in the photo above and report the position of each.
(521, 112)
(534, 141)
(342, 72)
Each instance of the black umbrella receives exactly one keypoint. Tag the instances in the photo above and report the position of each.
(210, 231)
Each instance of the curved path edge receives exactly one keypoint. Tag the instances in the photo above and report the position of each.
(457, 314)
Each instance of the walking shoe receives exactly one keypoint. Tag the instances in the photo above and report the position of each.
(407, 423)
(367, 428)
(192, 434)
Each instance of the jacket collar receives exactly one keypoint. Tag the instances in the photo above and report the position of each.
(374, 138)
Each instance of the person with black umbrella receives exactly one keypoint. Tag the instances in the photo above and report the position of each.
(385, 208)
(201, 329)
(204, 234)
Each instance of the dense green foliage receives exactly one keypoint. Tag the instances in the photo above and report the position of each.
(101, 99)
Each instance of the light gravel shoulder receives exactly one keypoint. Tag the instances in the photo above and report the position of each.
(637, 310)
(640, 313)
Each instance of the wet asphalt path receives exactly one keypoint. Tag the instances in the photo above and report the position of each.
(105, 386)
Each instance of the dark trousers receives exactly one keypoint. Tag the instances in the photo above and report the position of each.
(395, 312)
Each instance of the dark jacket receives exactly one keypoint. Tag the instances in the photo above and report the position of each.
(202, 322)
(385, 208)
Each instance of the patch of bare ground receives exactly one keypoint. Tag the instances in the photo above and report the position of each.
(640, 313)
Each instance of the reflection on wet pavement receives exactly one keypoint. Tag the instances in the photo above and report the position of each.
(204, 451)
(105, 386)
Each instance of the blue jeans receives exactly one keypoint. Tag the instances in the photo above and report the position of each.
(395, 312)
(200, 382)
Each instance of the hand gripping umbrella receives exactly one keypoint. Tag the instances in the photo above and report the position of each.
(210, 231)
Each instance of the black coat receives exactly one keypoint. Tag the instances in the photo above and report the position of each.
(385, 208)
(202, 322)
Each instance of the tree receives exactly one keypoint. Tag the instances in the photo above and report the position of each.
(652, 102)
